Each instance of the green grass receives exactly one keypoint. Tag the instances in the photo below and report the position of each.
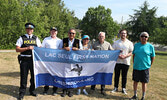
(156, 89)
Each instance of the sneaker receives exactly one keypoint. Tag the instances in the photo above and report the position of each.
(54, 93)
(79, 92)
(134, 97)
(142, 98)
(70, 94)
(114, 90)
(124, 91)
(85, 92)
(64, 93)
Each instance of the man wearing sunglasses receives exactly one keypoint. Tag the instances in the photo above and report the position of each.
(69, 44)
(143, 57)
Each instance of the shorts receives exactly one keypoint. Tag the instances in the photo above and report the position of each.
(141, 76)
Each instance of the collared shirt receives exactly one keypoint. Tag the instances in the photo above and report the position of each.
(70, 44)
(50, 42)
(104, 46)
(20, 40)
(126, 47)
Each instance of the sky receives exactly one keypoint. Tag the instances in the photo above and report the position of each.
(121, 9)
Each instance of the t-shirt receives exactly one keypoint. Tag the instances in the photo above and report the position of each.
(142, 56)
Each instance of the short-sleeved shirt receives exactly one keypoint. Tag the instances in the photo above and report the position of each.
(70, 44)
(126, 47)
(104, 46)
(52, 43)
(20, 40)
(142, 56)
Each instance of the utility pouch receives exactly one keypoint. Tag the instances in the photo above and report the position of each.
(19, 58)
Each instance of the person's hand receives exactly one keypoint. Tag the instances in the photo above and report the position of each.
(74, 48)
(30, 48)
(122, 56)
(67, 48)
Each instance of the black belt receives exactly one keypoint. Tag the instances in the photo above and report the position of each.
(26, 58)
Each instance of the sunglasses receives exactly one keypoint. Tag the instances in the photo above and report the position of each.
(144, 36)
(71, 33)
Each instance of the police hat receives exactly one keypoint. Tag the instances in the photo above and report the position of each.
(53, 28)
(29, 25)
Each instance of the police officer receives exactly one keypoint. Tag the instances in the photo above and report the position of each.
(25, 44)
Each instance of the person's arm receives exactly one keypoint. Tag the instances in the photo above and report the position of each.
(152, 60)
(133, 57)
(110, 47)
(19, 49)
(38, 42)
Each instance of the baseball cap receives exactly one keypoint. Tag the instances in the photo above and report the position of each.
(85, 36)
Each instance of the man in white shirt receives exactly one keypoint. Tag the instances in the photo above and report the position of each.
(51, 42)
(25, 44)
(123, 61)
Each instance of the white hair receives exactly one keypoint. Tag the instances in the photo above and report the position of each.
(144, 33)
(102, 33)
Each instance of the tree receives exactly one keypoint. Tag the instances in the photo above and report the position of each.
(99, 19)
(43, 13)
(143, 20)
(160, 32)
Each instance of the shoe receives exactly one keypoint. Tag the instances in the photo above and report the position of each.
(54, 93)
(70, 94)
(103, 93)
(142, 98)
(64, 93)
(45, 92)
(85, 92)
(33, 94)
(134, 97)
(78, 91)
(20, 97)
(114, 90)
(124, 91)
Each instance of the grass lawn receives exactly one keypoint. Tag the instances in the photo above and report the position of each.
(156, 90)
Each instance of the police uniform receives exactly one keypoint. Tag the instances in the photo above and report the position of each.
(26, 62)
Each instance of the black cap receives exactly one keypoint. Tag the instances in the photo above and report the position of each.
(29, 25)
(53, 28)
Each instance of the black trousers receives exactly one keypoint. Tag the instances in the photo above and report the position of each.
(102, 87)
(46, 88)
(25, 66)
(123, 69)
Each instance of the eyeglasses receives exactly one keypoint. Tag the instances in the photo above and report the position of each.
(71, 33)
(144, 36)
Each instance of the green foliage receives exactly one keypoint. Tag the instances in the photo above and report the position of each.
(143, 20)
(43, 13)
(160, 32)
(96, 20)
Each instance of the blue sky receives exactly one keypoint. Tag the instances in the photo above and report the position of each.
(119, 8)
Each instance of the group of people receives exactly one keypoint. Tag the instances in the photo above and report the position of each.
(143, 57)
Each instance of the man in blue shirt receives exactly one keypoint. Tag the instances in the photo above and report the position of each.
(143, 57)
